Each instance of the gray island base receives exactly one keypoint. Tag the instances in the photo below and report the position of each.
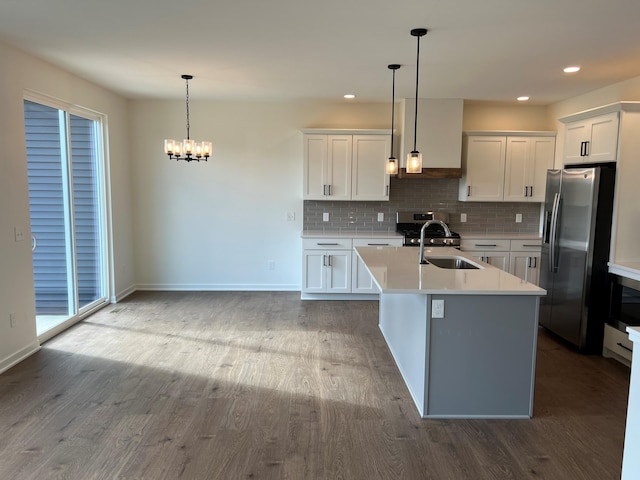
(478, 360)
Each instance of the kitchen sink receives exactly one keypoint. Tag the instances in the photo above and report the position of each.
(457, 263)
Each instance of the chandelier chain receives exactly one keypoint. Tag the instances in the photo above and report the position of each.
(187, 102)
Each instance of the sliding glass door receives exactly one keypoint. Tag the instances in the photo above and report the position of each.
(66, 197)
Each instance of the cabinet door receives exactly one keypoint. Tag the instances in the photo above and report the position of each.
(603, 146)
(361, 279)
(542, 152)
(315, 167)
(525, 265)
(313, 271)
(338, 271)
(575, 134)
(498, 259)
(516, 179)
(483, 180)
(339, 167)
(369, 180)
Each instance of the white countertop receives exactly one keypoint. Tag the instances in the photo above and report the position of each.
(348, 234)
(397, 270)
(507, 236)
(626, 269)
(634, 334)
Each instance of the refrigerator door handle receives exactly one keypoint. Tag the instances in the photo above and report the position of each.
(554, 233)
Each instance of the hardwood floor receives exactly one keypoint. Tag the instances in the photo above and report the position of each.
(236, 385)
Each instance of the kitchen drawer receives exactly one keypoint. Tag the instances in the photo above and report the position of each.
(615, 341)
(485, 244)
(326, 243)
(532, 245)
(377, 242)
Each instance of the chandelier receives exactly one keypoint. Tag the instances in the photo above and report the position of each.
(188, 150)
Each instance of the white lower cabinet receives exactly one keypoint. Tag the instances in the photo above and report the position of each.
(361, 280)
(492, 251)
(518, 257)
(329, 265)
(524, 260)
(326, 265)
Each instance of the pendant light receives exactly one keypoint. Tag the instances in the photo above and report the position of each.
(392, 163)
(414, 159)
(188, 150)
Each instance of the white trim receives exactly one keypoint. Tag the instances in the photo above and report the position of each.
(338, 131)
(610, 108)
(19, 356)
(512, 133)
(200, 287)
(339, 296)
(123, 294)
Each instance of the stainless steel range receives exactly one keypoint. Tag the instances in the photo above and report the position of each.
(410, 223)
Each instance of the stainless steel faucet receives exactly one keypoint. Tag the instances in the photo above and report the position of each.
(447, 234)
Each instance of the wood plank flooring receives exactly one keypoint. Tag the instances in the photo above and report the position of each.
(234, 385)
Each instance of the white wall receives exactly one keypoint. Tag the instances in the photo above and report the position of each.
(216, 225)
(20, 72)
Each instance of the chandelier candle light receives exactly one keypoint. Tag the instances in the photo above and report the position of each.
(414, 159)
(392, 163)
(188, 149)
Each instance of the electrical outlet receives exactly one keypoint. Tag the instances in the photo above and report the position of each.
(518, 218)
(325, 217)
(437, 308)
(463, 217)
(381, 216)
(291, 216)
(12, 319)
(18, 234)
(271, 265)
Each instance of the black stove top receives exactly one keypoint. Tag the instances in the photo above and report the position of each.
(410, 223)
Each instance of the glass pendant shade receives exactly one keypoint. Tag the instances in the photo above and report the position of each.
(392, 166)
(414, 162)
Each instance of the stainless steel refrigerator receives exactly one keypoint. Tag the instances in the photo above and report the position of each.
(575, 250)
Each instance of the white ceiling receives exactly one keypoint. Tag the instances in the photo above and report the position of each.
(493, 50)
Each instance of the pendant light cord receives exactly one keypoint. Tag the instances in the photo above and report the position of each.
(393, 108)
(415, 117)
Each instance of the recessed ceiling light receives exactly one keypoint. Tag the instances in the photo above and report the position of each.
(523, 99)
(349, 95)
(571, 69)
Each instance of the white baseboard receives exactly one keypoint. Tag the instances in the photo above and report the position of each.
(19, 356)
(199, 287)
(123, 294)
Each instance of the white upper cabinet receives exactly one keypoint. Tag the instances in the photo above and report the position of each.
(527, 162)
(346, 167)
(510, 168)
(591, 140)
(483, 168)
(369, 180)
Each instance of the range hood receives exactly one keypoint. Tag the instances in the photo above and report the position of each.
(439, 136)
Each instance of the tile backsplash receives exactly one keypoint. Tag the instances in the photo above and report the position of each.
(440, 195)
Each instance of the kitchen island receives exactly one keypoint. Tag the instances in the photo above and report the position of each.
(464, 340)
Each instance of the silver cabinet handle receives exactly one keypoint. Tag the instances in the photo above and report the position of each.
(34, 243)
(526, 191)
(469, 191)
(329, 262)
(486, 245)
(324, 260)
(387, 194)
(330, 193)
(531, 190)
(378, 244)
(525, 245)
(327, 244)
